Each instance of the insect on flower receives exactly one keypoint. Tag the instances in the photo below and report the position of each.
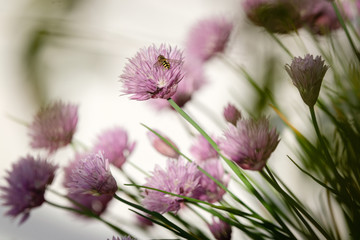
(165, 62)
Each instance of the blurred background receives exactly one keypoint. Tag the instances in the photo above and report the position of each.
(76, 50)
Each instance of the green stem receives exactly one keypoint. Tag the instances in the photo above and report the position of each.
(277, 40)
(343, 25)
(89, 214)
(295, 204)
(322, 142)
(230, 164)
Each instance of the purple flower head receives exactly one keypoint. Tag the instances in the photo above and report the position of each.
(207, 38)
(307, 75)
(358, 5)
(193, 80)
(54, 126)
(250, 143)
(115, 145)
(180, 177)
(220, 230)
(232, 114)
(320, 17)
(161, 146)
(209, 190)
(202, 149)
(153, 73)
(27, 182)
(143, 222)
(96, 204)
(277, 16)
(92, 175)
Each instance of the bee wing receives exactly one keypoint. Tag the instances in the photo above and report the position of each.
(174, 62)
(157, 64)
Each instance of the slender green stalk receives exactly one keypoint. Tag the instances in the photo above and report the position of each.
(343, 25)
(88, 214)
(18, 120)
(295, 204)
(277, 40)
(231, 165)
(322, 142)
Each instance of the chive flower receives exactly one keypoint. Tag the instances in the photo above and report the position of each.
(53, 126)
(307, 75)
(27, 182)
(92, 175)
(250, 143)
(154, 72)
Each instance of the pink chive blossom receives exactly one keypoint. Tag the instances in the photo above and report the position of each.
(92, 175)
(179, 177)
(321, 18)
(276, 16)
(143, 222)
(307, 75)
(209, 190)
(162, 147)
(96, 204)
(115, 145)
(27, 182)
(250, 143)
(202, 150)
(193, 81)
(145, 77)
(207, 38)
(220, 230)
(231, 114)
(53, 126)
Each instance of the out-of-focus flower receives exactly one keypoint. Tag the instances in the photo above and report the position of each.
(307, 75)
(207, 38)
(209, 190)
(202, 149)
(153, 73)
(143, 222)
(276, 16)
(179, 177)
(115, 145)
(250, 143)
(92, 175)
(231, 114)
(358, 5)
(161, 146)
(220, 230)
(320, 16)
(27, 182)
(53, 126)
(96, 204)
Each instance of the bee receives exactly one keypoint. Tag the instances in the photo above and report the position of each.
(165, 62)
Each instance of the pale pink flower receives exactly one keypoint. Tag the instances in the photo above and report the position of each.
(250, 143)
(27, 182)
(207, 38)
(220, 230)
(202, 150)
(161, 146)
(179, 177)
(145, 76)
(92, 175)
(96, 204)
(53, 126)
(231, 114)
(115, 145)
